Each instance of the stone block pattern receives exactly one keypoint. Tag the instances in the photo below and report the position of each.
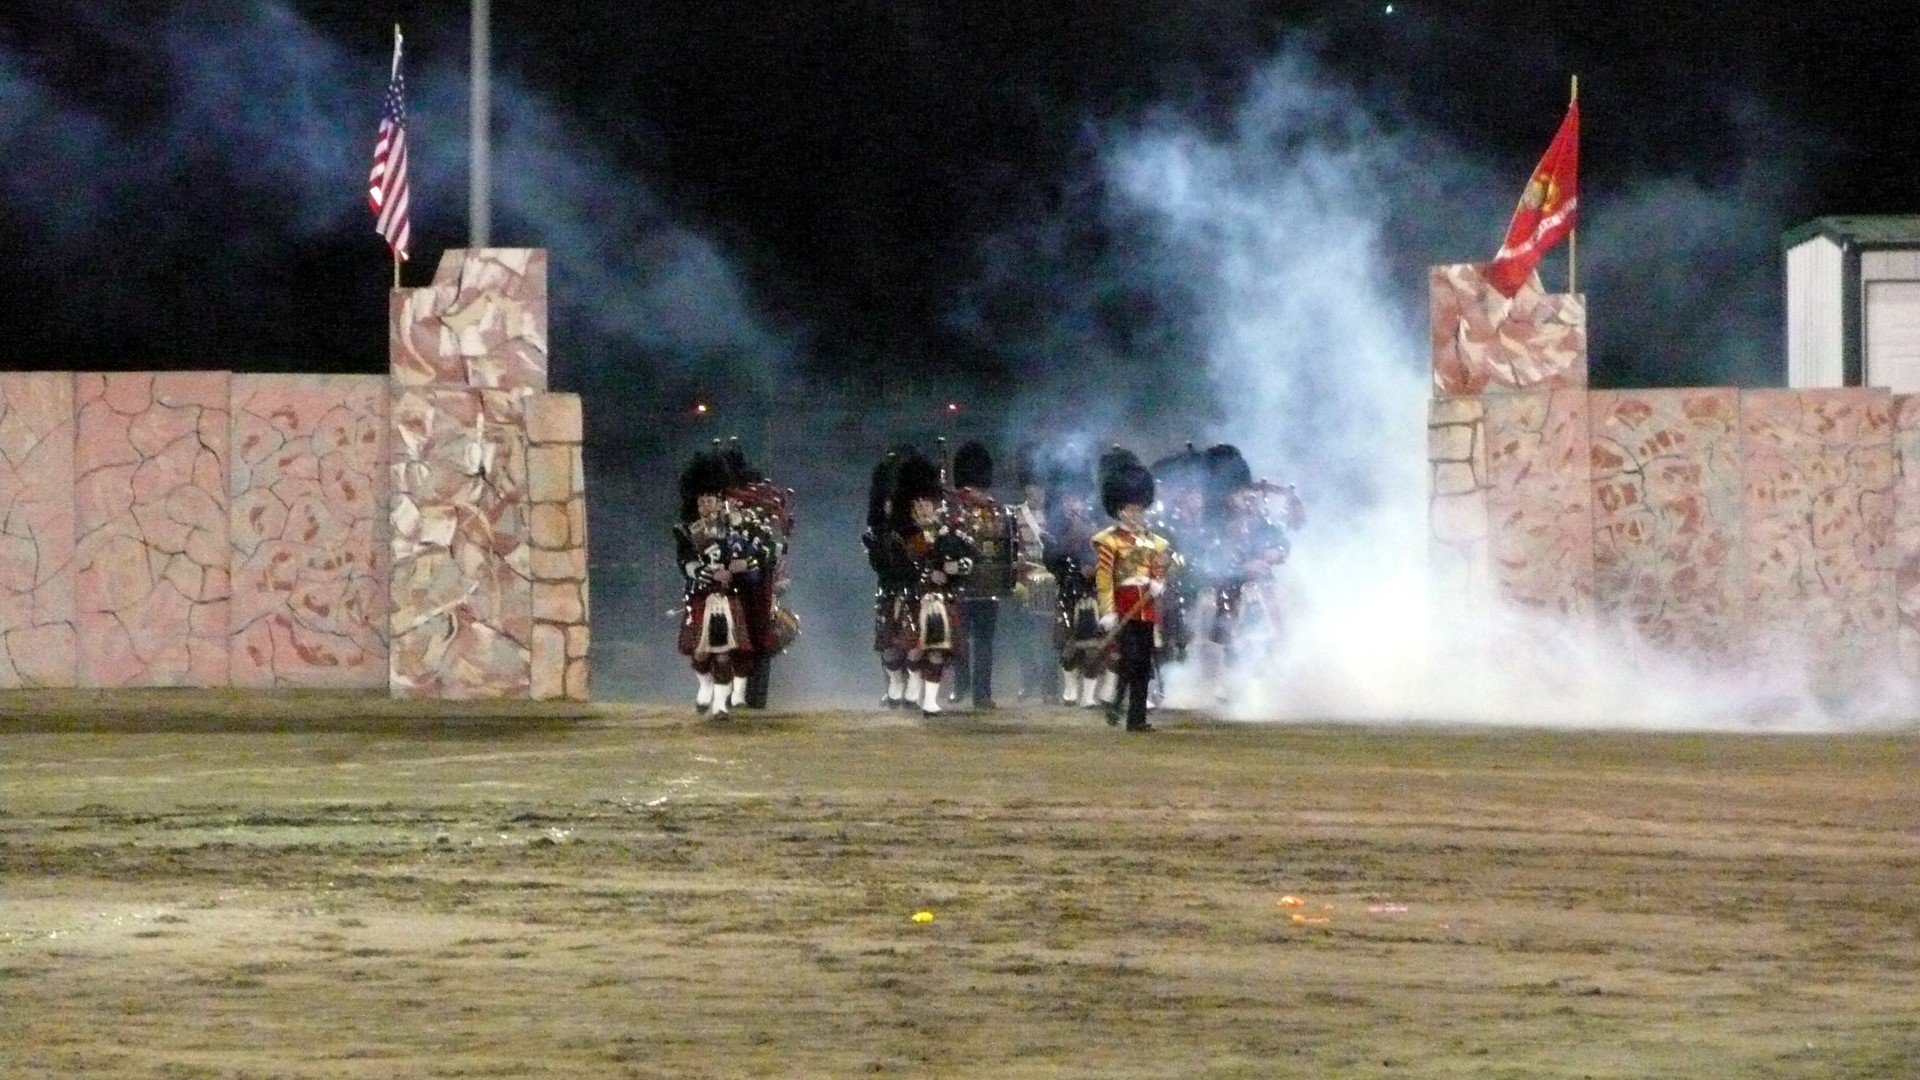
(1486, 342)
(557, 490)
(461, 601)
(1817, 478)
(482, 323)
(1904, 538)
(1667, 539)
(37, 625)
(1457, 507)
(1539, 500)
(151, 549)
(307, 491)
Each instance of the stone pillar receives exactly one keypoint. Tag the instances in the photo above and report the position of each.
(466, 354)
(558, 488)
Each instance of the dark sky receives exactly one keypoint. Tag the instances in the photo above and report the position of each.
(850, 163)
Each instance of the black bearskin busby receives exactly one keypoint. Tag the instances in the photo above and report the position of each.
(1123, 482)
(706, 474)
(739, 471)
(1184, 471)
(916, 478)
(972, 467)
(1227, 472)
(880, 490)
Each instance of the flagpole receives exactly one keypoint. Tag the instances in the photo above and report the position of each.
(1573, 234)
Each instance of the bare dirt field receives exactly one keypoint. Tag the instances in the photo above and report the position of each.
(212, 885)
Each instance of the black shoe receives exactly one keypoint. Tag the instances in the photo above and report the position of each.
(1142, 726)
(1113, 715)
(984, 706)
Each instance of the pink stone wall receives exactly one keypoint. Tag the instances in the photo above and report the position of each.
(558, 493)
(37, 641)
(1484, 342)
(1539, 499)
(152, 590)
(1667, 517)
(461, 595)
(307, 522)
(1457, 507)
(481, 324)
(1904, 537)
(1817, 477)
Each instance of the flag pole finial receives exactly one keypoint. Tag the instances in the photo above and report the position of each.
(1575, 95)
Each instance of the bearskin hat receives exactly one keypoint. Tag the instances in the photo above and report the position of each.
(1227, 472)
(739, 470)
(916, 478)
(706, 474)
(972, 466)
(1123, 482)
(880, 490)
(1184, 471)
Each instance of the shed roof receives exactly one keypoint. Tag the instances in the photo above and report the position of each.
(1872, 230)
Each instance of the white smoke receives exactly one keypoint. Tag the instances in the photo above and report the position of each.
(1317, 354)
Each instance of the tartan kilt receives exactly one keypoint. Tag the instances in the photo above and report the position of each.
(694, 624)
(893, 629)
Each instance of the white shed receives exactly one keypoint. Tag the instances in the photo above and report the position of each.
(1853, 303)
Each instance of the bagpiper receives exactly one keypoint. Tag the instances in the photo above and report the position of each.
(771, 626)
(1179, 515)
(722, 552)
(1244, 547)
(1068, 557)
(939, 555)
(893, 583)
(991, 527)
(1130, 576)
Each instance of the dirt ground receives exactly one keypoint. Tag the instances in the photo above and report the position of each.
(211, 885)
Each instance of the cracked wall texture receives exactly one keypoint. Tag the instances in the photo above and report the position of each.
(461, 594)
(557, 489)
(481, 324)
(37, 623)
(308, 521)
(1817, 478)
(151, 551)
(1904, 539)
(1484, 342)
(1667, 517)
(1539, 499)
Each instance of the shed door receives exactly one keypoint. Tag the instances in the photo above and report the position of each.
(1893, 335)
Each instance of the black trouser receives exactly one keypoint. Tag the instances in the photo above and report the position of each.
(979, 616)
(1134, 666)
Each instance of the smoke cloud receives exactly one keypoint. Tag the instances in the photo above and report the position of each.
(1289, 231)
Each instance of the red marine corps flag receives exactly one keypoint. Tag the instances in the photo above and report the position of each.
(1548, 211)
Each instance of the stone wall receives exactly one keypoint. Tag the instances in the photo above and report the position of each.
(1732, 525)
(326, 531)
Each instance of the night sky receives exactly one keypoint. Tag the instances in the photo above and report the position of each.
(182, 189)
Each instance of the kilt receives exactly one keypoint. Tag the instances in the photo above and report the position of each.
(713, 622)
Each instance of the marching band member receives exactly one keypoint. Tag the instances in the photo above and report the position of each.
(1244, 548)
(893, 578)
(941, 556)
(768, 626)
(722, 551)
(991, 527)
(1179, 516)
(1129, 578)
(1034, 586)
(1068, 557)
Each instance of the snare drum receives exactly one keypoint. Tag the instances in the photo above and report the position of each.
(1043, 594)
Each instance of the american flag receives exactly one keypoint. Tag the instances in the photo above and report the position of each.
(387, 185)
